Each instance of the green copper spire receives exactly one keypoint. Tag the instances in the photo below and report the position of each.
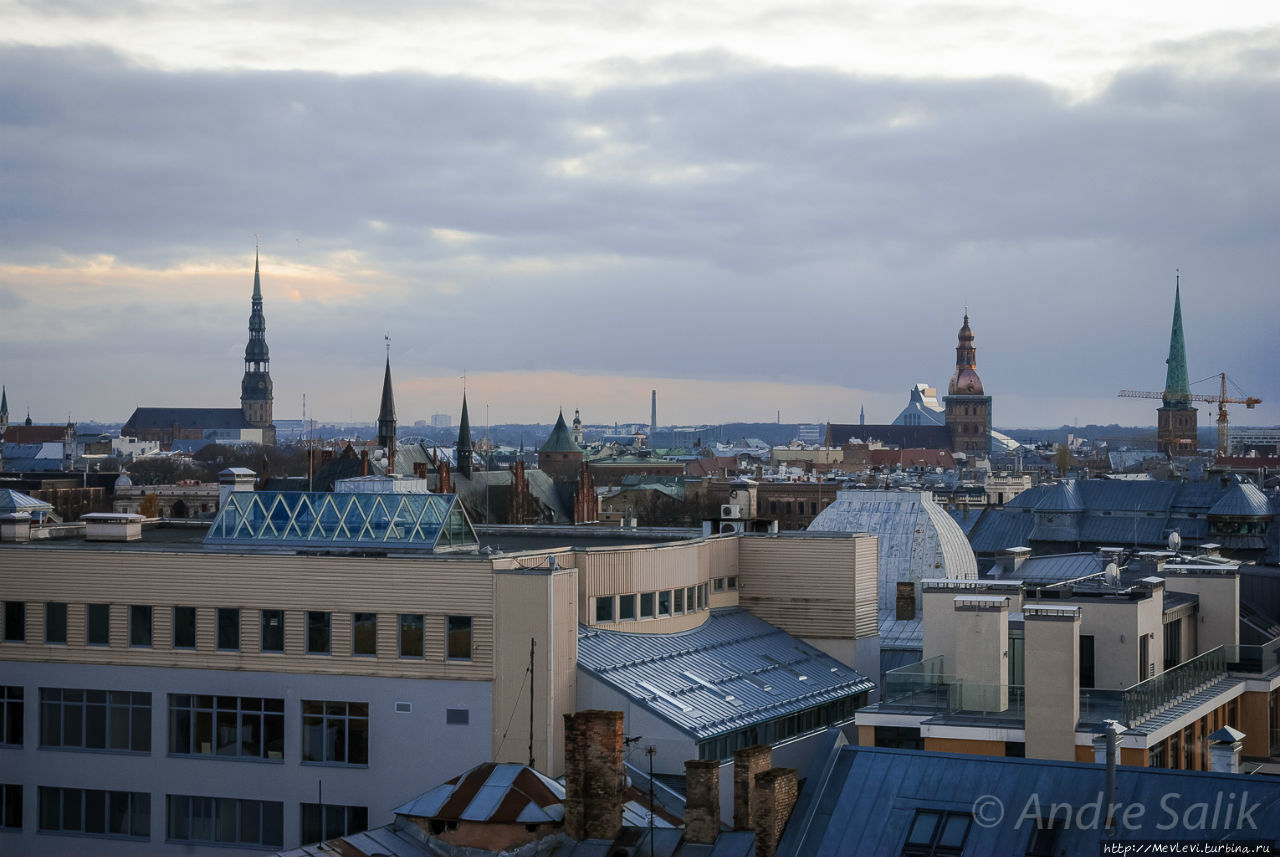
(1177, 388)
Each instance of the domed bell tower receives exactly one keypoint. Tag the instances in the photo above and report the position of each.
(968, 408)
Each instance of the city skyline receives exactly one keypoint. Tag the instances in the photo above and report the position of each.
(750, 209)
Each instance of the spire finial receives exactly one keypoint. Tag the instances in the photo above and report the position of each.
(464, 383)
(387, 338)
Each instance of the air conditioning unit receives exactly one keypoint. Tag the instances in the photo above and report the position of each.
(727, 527)
(730, 510)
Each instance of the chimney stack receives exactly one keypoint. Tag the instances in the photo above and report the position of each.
(702, 801)
(748, 762)
(775, 796)
(906, 605)
(446, 481)
(1224, 750)
(364, 462)
(593, 777)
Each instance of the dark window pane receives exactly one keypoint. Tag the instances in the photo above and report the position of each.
(318, 633)
(273, 630)
(184, 627)
(99, 624)
(118, 812)
(273, 824)
(95, 811)
(626, 607)
(140, 625)
(364, 633)
(459, 631)
(229, 628)
(50, 808)
(225, 819)
(604, 609)
(358, 752)
(411, 635)
(646, 605)
(15, 621)
(922, 828)
(310, 816)
(55, 622)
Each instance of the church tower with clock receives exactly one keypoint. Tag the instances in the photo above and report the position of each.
(968, 408)
(255, 389)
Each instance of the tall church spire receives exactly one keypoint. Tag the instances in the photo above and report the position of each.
(1177, 389)
(4, 409)
(255, 388)
(465, 452)
(387, 416)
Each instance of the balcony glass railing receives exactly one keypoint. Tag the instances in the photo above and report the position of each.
(1159, 692)
(1254, 660)
(923, 688)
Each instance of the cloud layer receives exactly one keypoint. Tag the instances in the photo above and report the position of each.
(702, 217)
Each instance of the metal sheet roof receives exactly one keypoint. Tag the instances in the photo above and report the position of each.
(870, 800)
(734, 670)
(917, 538)
(493, 792)
(1242, 499)
(1059, 567)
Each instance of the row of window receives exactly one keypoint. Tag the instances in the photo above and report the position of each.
(781, 728)
(651, 605)
(191, 818)
(319, 628)
(239, 727)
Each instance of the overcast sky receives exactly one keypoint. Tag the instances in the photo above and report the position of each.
(753, 207)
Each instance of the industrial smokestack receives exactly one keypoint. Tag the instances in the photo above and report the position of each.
(653, 413)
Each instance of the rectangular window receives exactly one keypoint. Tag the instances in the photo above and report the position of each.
(184, 627)
(411, 635)
(1086, 661)
(718, 584)
(11, 806)
(732, 582)
(646, 605)
(11, 698)
(272, 631)
(95, 813)
(679, 594)
(225, 821)
(229, 629)
(364, 634)
(691, 598)
(664, 602)
(626, 607)
(15, 621)
(934, 832)
(457, 716)
(335, 732)
(319, 636)
(55, 622)
(244, 727)
(322, 822)
(458, 638)
(117, 720)
(604, 609)
(98, 629)
(140, 625)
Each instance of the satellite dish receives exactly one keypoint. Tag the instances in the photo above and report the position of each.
(1175, 541)
(1112, 573)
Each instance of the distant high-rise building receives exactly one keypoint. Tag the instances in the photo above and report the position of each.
(441, 421)
(1176, 419)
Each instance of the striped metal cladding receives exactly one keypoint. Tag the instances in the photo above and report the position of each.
(497, 793)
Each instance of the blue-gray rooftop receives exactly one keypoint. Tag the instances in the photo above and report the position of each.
(734, 670)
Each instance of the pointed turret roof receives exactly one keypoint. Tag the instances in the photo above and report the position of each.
(464, 428)
(387, 411)
(1177, 388)
(561, 440)
(4, 404)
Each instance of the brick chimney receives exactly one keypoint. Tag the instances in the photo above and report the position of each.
(747, 762)
(906, 606)
(702, 801)
(420, 469)
(774, 798)
(364, 462)
(446, 481)
(593, 776)
(521, 502)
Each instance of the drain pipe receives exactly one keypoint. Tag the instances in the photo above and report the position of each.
(1111, 733)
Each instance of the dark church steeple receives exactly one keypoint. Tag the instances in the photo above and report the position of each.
(466, 453)
(387, 417)
(255, 389)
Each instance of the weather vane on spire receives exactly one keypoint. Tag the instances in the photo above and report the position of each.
(387, 338)
(464, 382)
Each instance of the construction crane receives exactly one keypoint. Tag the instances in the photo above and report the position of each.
(1222, 400)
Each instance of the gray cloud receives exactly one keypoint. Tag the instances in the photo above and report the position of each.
(827, 225)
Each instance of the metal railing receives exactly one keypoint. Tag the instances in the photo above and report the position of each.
(1254, 660)
(924, 688)
(1159, 692)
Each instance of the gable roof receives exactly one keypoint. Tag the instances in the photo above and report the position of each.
(499, 793)
(187, 418)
